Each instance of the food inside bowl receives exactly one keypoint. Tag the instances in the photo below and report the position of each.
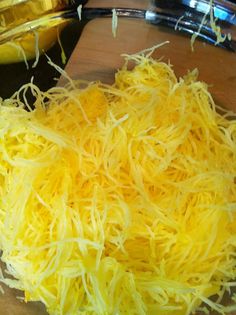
(24, 42)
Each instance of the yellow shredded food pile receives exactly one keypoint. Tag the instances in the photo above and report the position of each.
(120, 199)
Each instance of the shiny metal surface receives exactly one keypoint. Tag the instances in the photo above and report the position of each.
(223, 10)
(181, 23)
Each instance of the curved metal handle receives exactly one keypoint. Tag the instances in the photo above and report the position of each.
(186, 25)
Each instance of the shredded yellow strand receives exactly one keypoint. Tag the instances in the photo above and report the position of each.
(20, 51)
(114, 22)
(196, 34)
(63, 54)
(178, 21)
(120, 199)
(220, 37)
(79, 11)
(37, 52)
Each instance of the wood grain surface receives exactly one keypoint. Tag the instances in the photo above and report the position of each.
(97, 56)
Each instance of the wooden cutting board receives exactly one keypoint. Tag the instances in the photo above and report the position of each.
(97, 56)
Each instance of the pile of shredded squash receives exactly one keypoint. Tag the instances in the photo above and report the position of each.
(120, 199)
